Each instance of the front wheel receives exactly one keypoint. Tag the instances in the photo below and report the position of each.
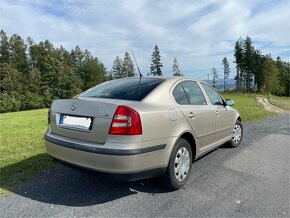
(237, 135)
(179, 167)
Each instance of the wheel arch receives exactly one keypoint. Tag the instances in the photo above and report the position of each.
(191, 140)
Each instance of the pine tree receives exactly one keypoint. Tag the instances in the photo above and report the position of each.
(248, 62)
(77, 56)
(258, 63)
(11, 88)
(91, 72)
(117, 68)
(271, 71)
(128, 66)
(10, 79)
(238, 60)
(238, 80)
(4, 47)
(18, 56)
(215, 76)
(226, 68)
(156, 65)
(175, 68)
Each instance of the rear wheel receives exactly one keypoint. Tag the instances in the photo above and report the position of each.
(237, 135)
(179, 167)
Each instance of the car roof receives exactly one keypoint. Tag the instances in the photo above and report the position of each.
(161, 77)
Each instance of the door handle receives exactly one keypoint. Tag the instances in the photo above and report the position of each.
(191, 115)
(217, 113)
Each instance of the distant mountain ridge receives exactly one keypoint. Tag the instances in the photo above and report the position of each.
(230, 83)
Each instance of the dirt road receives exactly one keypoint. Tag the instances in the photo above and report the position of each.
(270, 107)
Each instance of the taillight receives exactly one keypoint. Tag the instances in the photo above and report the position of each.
(48, 116)
(126, 121)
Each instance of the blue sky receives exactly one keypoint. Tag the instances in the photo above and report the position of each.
(198, 33)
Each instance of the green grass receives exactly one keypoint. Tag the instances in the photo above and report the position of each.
(283, 102)
(248, 108)
(22, 147)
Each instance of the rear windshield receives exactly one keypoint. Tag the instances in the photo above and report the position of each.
(126, 89)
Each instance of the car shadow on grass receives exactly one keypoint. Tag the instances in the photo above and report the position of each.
(62, 185)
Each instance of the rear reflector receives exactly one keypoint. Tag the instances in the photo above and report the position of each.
(126, 121)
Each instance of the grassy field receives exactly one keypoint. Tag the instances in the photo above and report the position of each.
(22, 147)
(248, 108)
(283, 102)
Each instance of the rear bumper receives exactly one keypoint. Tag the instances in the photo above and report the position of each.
(123, 164)
(117, 176)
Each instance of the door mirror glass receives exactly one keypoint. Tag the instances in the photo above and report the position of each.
(230, 102)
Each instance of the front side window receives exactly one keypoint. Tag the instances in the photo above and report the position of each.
(214, 97)
(188, 92)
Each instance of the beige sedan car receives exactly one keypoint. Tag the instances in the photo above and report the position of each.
(135, 128)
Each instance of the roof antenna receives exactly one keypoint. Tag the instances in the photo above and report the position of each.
(140, 74)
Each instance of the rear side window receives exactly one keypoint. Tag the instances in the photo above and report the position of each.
(126, 89)
(188, 92)
(179, 95)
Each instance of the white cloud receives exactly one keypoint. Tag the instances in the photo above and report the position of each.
(198, 33)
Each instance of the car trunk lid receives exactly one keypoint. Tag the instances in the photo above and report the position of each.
(84, 119)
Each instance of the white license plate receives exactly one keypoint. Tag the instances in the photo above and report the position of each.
(82, 123)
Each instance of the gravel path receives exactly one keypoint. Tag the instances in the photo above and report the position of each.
(270, 107)
(251, 180)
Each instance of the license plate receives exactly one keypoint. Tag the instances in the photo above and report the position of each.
(81, 123)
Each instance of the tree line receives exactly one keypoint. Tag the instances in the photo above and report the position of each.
(33, 74)
(125, 67)
(260, 72)
(255, 71)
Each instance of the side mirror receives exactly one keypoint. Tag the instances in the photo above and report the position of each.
(230, 102)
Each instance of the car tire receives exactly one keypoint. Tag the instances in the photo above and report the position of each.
(179, 168)
(237, 135)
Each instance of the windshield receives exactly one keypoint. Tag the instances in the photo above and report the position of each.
(126, 89)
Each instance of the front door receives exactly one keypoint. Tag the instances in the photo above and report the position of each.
(223, 124)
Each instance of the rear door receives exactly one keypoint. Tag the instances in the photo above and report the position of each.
(198, 113)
